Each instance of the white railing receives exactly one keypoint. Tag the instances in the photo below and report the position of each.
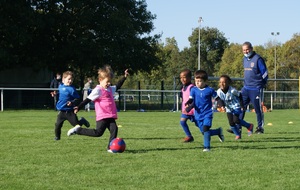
(171, 96)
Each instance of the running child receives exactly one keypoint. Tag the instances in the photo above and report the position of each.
(232, 101)
(186, 78)
(105, 107)
(67, 99)
(201, 100)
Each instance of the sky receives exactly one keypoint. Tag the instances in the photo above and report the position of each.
(238, 20)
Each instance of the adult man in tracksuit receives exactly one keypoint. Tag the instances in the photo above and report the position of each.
(255, 79)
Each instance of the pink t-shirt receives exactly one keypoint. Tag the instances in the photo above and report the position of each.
(105, 106)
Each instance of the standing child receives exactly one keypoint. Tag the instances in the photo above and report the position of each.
(186, 78)
(201, 99)
(86, 91)
(233, 106)
(68, 98)
(105, 107)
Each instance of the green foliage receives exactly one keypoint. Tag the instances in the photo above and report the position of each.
(79, 35)
(155, 157)
(212, 46)
(289, 66)
(231, 62)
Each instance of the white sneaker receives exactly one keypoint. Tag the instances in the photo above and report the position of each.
(110, 151)
(206, 150)
(73, 130)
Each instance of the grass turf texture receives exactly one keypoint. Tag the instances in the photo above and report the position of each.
(155, 157)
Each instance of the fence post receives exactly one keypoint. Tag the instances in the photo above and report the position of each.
(2, 100)
(162, 95)
(139, 88)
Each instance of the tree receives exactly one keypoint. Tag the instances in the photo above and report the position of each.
(231, 64)
(17, 25)
(83, 35)
(289, 64)
(212, 46)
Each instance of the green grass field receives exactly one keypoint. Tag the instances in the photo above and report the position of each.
(155, 157)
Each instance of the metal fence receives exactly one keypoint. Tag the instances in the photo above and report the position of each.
(146, 99)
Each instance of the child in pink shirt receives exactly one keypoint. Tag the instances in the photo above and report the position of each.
(105, 107)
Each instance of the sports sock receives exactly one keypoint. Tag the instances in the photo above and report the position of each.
(185, 128)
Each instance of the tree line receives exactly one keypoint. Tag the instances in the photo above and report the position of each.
(83, 35)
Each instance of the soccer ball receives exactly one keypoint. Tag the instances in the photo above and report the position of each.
(117, 145)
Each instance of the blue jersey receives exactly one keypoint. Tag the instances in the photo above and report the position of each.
(231, 99)
(202, 98)
(66, 94)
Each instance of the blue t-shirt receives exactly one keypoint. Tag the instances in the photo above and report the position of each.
(203, 101)
(66, 94)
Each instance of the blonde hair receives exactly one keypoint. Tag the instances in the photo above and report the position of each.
(105, 72)
(67, 73)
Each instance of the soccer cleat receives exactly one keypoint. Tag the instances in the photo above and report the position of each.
(188, 139)
(250, 130)
(84, 122)
(110, 151)
(56, 138)
(73, 130)
(259, 131)
(221, 136)
(206, 150)
(237, 137)
(229, 131)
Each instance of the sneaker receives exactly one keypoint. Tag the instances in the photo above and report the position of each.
(229, 131)
(206, 150)
(110, 151)
(56, 138)
(237, 137)
(84, 122)
(73, 130)
(250, 130)
(221, 136)
(188, 139)
(259, 131)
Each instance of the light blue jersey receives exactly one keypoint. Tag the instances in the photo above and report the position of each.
(231, 100)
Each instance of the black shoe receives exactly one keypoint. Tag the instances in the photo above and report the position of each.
(57, 138)
(259, 131)
(229, 131)
(84, 122)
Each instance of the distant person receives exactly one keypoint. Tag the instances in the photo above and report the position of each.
(86, 91)
(232, 103)
(186, 81)
(68, 98)
(201, 100)
(105, 107)
(56, 81)
(255, 80)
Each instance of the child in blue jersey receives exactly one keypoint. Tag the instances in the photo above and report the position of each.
(186, 78)
(232, 100)
(201, 100)
(68, 98)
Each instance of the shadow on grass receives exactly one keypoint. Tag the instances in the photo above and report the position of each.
(160, 149)
(249, 144)
(149, 138)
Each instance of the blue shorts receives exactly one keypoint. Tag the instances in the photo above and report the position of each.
(204, 122)
(190, 117)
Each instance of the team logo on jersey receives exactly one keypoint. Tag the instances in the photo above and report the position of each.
(252, 64)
